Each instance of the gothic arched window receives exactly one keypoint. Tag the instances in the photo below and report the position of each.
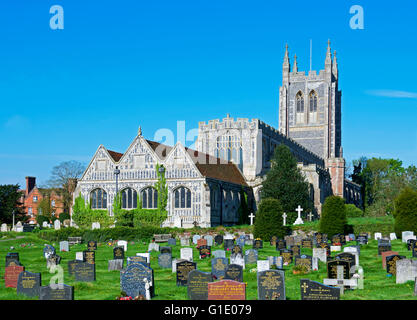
(182, 198)
(300, 107)
(98, 199)
(129, 199)
(149, 198)
(313, 107)
(229, 147)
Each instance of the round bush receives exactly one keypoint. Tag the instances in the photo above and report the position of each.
(353, 211)
(333, 216)
(405, 212)
(268, 220)
(64, 216)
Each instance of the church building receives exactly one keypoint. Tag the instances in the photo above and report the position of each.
(205, 185)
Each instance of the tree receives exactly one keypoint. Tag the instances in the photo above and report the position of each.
(268, 220)
(10, 201)
(333, 216)
(405, 212)
(286, 183)
(63, 177)
(243, 210)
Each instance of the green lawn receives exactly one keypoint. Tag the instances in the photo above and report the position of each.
(376, 284)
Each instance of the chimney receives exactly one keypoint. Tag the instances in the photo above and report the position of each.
(30, 184)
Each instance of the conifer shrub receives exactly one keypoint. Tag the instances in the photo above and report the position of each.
(333, 216)
(268, 220)
(405, 211)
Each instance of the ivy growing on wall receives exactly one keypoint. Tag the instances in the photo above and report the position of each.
(84, 216)
(144, 217)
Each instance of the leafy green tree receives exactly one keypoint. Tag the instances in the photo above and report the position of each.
(268, 221)
(405, 212)
(286, 183)
(10, 202)
(243, 210)
(333, 216)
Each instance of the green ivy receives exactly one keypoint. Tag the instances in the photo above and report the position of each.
(84, 216)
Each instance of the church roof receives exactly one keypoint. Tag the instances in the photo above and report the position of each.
(115, 155)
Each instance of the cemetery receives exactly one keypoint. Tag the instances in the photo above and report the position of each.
(212, 263)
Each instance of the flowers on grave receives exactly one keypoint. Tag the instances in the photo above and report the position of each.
(300, 269)
(253, 270)
(125, 298)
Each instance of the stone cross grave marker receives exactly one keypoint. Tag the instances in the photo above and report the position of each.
(299, 220)
(251, 217)
(284, 218)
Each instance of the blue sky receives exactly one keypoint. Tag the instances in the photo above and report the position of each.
(121, 64)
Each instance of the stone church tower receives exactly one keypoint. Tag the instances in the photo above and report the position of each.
(310, 113)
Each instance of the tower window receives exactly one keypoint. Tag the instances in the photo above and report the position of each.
(300, 108)
(313, 107)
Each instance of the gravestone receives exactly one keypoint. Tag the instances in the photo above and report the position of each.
(241, 241)
(251, 256)
(118, 253)
(57, 224)
(122, 243)
(271, 285)
(184, 241)
(137, 258)
(384, 256)
(377, 235)
(12, 259)
(29, 284)
(85, 272)
(165, 260)
(132, 280)
(64, 246)
(95, 225)
(281, 244)
(196, 237)
(286, 256)
(248, 242)
(183, 269)
(166, 250)
(393, 236)
(346, 256)
(391, 263)
(383, 246)
(295, 250)
(234, 272)
(201, 242)
(414, 249)
(332, 269)
(218, 267)
(237, 249)
(197, 285)
(172, 242)
(11, 275)
(257, 244)
(56, 292)
(145, 255)
(116, 264)
(307, 244)
(406, 270)
(226, 290)
(71, 266)
(278, 262)
(335, 248)
(218, 239)
(79, 256)
(353, 251)
(406, 234)
(237, 258)
(313, 290)
(186, 254)
(410, 243)
(320, 253)
(91, 245)
(228, 244)
(262, 265)
(174, 264)
(209, 239)
(205, 251)
(153, 247)
(3, 227)
(89, 256)
(219, 254)
(273, 241)
(304, 260)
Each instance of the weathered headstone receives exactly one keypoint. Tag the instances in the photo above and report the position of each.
(262, 265)
(251, 256)
(393, 236)
(172, 242)
(64, 246)
(184, 241)
(122, 243)
(209, 239)
(153, 247)
(219, 254)
(57, 224)
(165, 260)
(116, 264)
(237, 258)
(406, 270)
(320, 253)
(218, 267)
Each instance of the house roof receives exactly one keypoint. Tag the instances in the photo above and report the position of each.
(209, 166)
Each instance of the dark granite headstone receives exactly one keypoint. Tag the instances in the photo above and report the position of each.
(383, 246)
(183, 268)
(332, 269)
(414, 249)
(89, 256)
(228, 244)
(165, 260)
(234, 272)
(172, 242)
(362, 240)
(85, 272)
(92, 245)
(391, 263)
(56, 292)
(118, 253)
(12, 256)
(410, 243)
(304, 260)
(218, 239)
(165, 250)
(313, 290)
(347, 256)
(71, 266)
(273, 241)
(237, 249)
(307, 243)
(132, 279)
(296, 251)
(281, 244)
(205, 252)
(286, 256)
(258, 244)
(29, 284)
(197, 285)
(218, 267)
(28, 227)
(271, 285)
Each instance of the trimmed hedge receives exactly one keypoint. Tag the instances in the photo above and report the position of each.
(333, 216)
(268, 220)
(405, 212)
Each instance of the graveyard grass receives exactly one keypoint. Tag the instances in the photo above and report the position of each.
(377, 286)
